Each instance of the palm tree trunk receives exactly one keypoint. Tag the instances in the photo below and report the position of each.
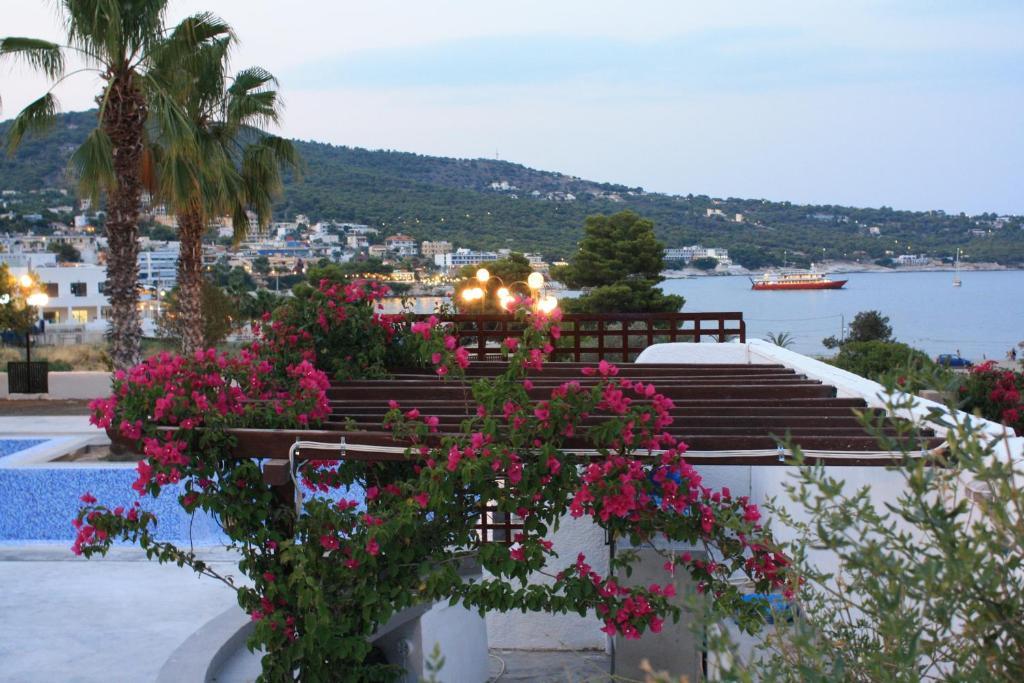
(190, 281)
(123, 119)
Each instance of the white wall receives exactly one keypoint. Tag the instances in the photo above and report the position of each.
(516, 630)
(82, 385)
(79, 384)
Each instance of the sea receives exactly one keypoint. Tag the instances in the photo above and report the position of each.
(983, 319)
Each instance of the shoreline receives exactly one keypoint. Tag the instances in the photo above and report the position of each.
(835, 267)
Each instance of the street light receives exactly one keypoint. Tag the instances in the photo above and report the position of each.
(535, 280)
(35, 300)
(38, 299)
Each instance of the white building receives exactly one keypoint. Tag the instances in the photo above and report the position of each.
(687, 254)
(432, 249)
(403, 245)
(159, 268)
(912, 260)
(463, 257)
(356, 241)
(28, 260)
(358, 229)
(76, 294)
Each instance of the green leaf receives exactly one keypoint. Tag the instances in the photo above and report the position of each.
(36, 117)
(39, 54)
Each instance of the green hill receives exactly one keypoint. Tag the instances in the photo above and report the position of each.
(444, 198)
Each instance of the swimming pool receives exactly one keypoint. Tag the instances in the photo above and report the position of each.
(12, 446)
(38, 503)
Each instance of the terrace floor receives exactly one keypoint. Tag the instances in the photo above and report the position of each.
(549, 667)
(102, 620)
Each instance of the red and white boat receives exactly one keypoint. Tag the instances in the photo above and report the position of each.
(796, 280)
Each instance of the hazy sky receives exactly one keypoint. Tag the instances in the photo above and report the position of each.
(908, 104)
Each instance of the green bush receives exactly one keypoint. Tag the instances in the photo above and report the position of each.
(995, 394)
(927, 584)
(877, 359)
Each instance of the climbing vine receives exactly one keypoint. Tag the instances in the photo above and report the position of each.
(375, 537)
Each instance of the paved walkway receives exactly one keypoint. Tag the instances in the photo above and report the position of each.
(47, 425)
(549, 667)
(105, 620)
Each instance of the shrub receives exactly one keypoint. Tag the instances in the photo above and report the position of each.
(924, 585)
(995, 394)
(878, 359)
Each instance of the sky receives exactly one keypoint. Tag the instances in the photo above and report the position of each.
(910, 104)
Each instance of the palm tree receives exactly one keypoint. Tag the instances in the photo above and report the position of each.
(231, 165)
(119, 41)
(783, 339)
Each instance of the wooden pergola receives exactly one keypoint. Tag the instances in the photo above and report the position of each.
(727, 414)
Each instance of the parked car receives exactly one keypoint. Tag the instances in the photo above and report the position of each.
(950, 361)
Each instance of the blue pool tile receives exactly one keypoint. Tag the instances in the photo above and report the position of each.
(12, 446)
(38, 504)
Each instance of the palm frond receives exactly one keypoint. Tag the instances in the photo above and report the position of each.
(179, 183)
(36, 117)
(259, 109)
(170, 122)
(282, 151)
(240, 224)
(200, 28)
(114, 30)
(253, 78)
(39, 54)
(262, 163)
(202, 39)
(92, 165)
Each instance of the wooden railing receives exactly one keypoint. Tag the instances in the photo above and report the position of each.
(616, 337)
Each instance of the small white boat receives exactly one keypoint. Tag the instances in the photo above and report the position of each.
(956, 270)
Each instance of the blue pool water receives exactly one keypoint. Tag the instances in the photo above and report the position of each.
(12, 446)
(37, 504)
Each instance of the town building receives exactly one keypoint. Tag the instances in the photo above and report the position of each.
(432, 249)
(688, 254)
(403, 245)
(356, 240)
(158, 268)
(912, 260)
(76, 294)
(463, 257)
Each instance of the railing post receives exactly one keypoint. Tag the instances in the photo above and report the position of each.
(481, 346)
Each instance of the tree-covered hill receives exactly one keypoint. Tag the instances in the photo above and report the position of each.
(488, 203)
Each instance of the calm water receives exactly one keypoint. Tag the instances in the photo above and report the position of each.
(983, 318)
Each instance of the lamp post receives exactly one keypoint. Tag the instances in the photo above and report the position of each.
(535, 283)
(34, 300)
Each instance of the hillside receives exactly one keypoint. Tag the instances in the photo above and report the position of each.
(530, 210)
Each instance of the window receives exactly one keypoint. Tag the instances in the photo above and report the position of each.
(80, 315)
(102, 287)
(79, 289)
(52, 290)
